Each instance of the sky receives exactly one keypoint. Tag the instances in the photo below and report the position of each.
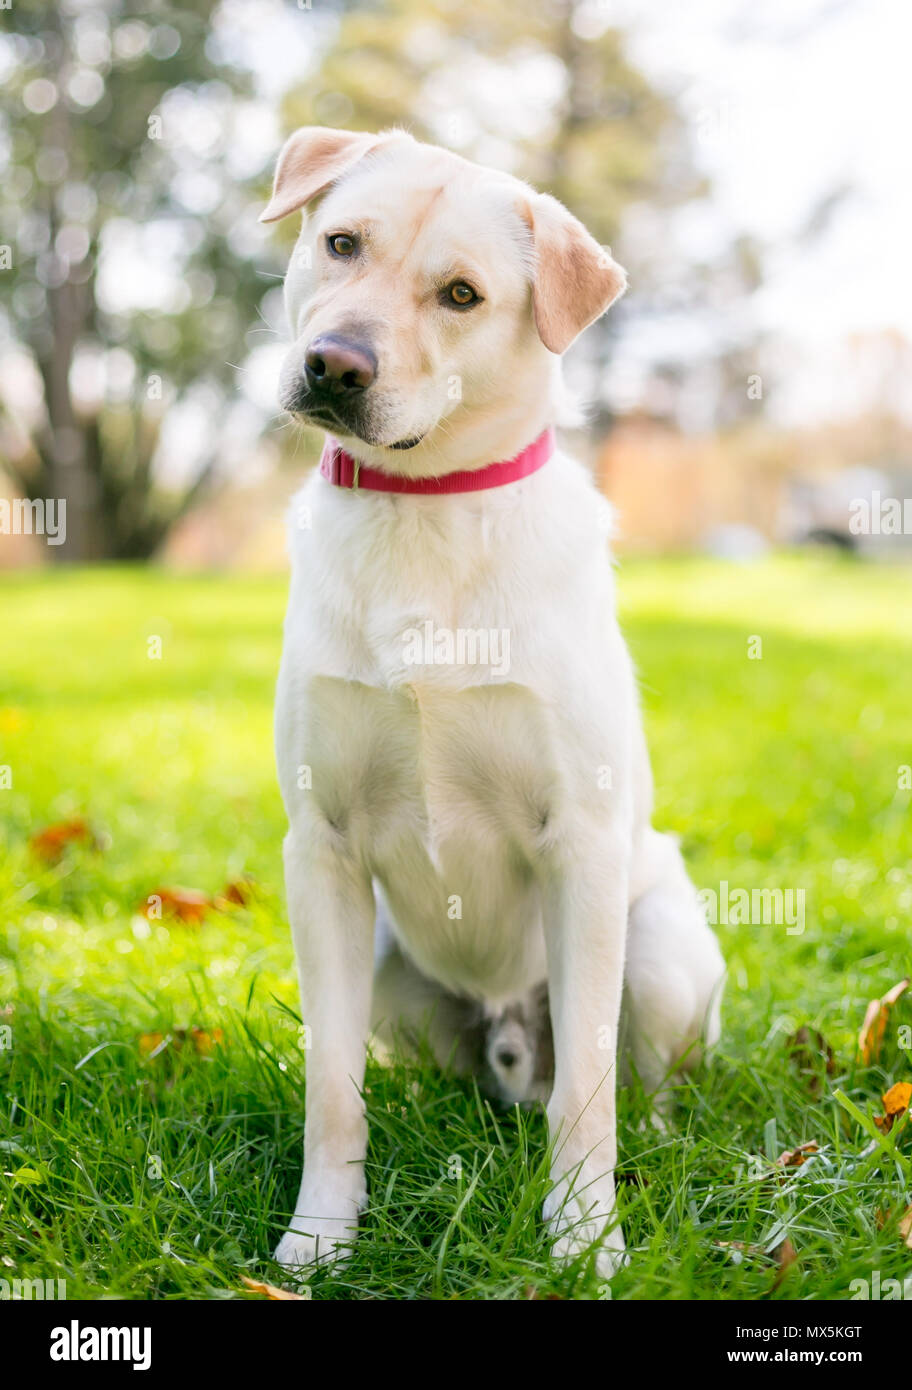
(790, 101)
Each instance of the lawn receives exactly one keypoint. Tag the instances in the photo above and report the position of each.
(141, 1159)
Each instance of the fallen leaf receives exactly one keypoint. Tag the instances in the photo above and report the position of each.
(50, 842)
(793, 1158)
(896, 1102)
(874, 1027)
(905, 1227)
(205, 1042)
(186, 904)
(271, 1291)
(785, 1255)
(808, 1049)
(236, 894)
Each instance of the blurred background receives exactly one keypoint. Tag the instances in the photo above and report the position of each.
(748, 165)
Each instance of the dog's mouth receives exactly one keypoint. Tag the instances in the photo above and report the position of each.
(407, 443)
(329, 420)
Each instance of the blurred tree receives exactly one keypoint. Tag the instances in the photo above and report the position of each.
(115, 143)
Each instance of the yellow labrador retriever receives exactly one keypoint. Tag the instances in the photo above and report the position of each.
(459, 742)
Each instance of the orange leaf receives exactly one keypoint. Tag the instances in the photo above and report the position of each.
(905, 1227)
(874, 1027)
(896, 1102)
(50, 843)
(186, 904)
(786, 1255)
(237, 894)
(205, 1042)
(270, 1291)
(793, 1158)
(148, 1042)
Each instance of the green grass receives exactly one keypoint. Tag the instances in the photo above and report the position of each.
(171, 1176)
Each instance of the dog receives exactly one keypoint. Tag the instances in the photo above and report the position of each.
(458, 738)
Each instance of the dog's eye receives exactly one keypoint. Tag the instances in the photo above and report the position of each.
(342, 245)
(461, 295)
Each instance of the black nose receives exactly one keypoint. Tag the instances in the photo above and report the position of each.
(336, 366)
(506, 1057)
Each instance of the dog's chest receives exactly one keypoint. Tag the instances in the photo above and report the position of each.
(453, 799)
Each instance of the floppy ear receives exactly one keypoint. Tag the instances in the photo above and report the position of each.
(575, 278)
(310, 161)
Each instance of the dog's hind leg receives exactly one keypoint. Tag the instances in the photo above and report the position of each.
(674, 972)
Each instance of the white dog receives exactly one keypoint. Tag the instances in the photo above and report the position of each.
(458, 734)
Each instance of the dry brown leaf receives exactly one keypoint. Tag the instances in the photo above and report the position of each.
(793, 1158)
(874, 1027)
(809, 1049)
(148, 1042)
(204, 1041)
(188, 905)
(271, 1291)
(236, 894)
(785, 1256)
(896, 1102)
(50, 842)
(905, 1227)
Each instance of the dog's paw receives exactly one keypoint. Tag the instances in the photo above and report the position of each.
(610, 1253)
(577, 1225)
(325, 1222)
(321, 1243)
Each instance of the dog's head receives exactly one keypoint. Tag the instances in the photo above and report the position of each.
(427, 296)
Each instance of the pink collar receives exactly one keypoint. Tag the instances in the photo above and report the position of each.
(340, 468)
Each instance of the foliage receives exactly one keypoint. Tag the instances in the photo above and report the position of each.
(119, 130)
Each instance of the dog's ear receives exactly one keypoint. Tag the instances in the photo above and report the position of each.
(575, 279)
(311, 159)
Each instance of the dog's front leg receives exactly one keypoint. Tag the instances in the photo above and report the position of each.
(586, 924)
(331, 907)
